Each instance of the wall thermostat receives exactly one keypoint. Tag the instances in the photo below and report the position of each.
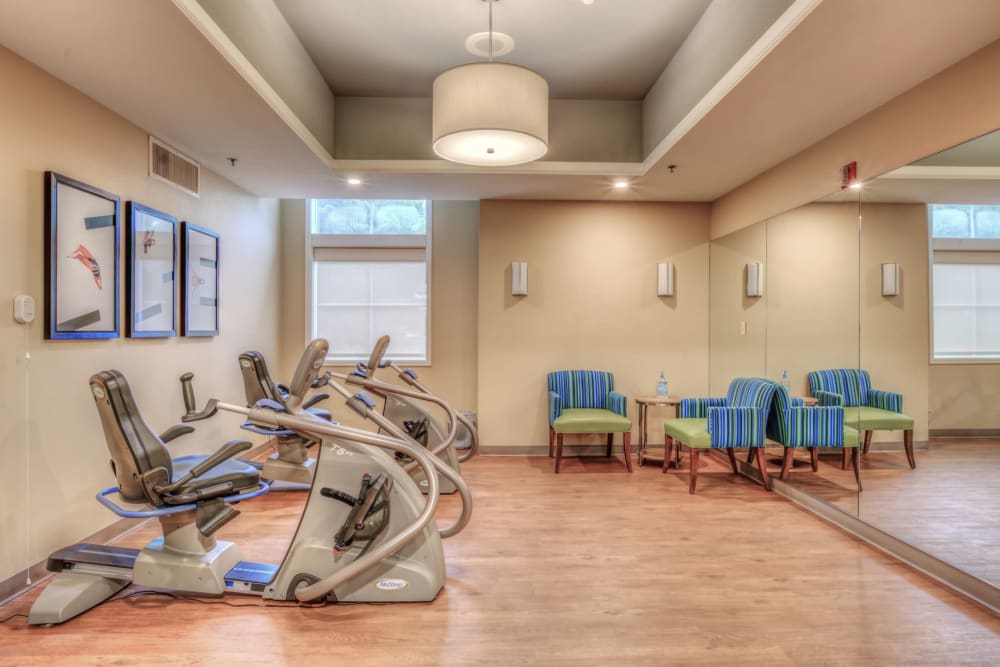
(24, 309)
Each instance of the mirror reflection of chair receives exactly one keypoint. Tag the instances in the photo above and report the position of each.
(870, 409)
(586, 402)
(735, 422)
(793, 425)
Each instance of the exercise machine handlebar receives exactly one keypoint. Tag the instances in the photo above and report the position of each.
(191, 414)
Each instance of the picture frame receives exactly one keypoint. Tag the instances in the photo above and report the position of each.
(81, 260)
(150, 272)
(200, 289)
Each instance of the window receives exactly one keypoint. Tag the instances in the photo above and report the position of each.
(965, 282)
(369, 276)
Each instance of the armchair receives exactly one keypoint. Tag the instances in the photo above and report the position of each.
(736, 421)
(585, 402)
(867, 408)
(792, 425)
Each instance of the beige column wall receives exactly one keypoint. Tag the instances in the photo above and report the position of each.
(53, 449)
(964, 396)
(738, 323)
(812, 308)
(894, 330)
(591, 304)
(454, 278)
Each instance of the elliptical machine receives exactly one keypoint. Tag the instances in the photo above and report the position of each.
(386, 548)
(402, 413)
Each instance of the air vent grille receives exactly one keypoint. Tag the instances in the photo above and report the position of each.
(169, 166)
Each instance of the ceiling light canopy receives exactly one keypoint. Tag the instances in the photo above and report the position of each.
(490, 114)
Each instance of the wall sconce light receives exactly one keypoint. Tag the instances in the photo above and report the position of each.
(664, 279)
(755, 279)
(890, 280)
(519, 278)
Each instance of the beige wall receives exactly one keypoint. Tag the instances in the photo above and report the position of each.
(812, 292)
(591, 304)
(53, 450)
(455, 237)
(964, 396)
(737, 323)
(956, 105)
(894, 330)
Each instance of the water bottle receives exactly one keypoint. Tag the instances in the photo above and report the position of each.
(785, 381)
(661, 386)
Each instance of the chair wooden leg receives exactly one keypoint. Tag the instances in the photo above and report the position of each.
(559, 446)
(868, 440)
(732, 461)
(627, 446)
(843, 459)
(786, 462)
(668, 448)
(856, 461)
(908, 445)
(693, 460)
(552, 439)
(750, 454)
(611, 441)
(762, 464)
(814, 458)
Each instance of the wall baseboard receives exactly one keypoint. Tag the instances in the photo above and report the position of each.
(17, 583)
(543, 450)
(965, 433)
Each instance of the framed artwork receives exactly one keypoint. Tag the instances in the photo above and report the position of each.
(81, 260)
(200, 273)
(150, 261)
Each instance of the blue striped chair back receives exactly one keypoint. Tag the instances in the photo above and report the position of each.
(582, 389)
(777, 426)
(851, 383)
(749, 393)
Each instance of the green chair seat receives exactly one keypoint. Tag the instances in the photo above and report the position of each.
(692, 432)
(876, 419)
(850, 436)
(590, 420)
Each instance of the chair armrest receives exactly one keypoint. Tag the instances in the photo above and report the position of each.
(555, 407)
(737, 427)
(176, 431)
(227, 451)
(886, 400)
(797, 402)
(815, 427)
(314, 399)
(698, 407)
(827, 398)
(617, 403)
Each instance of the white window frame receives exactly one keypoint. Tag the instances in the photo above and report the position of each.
(955, 251)
(366, 247)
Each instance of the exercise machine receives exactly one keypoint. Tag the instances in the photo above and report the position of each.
(291, 462)
(402, 410)
(380, 545)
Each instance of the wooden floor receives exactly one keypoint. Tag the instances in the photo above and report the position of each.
(593, 567)
(949, 506)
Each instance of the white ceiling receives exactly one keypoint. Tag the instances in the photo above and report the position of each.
(612, 49)
(844, 59)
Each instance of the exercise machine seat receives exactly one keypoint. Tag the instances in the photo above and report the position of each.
(138, 455)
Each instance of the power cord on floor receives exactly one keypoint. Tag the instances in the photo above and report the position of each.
(185, 598)
(13, 616)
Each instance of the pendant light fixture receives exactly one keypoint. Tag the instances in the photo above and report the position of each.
(490, 114)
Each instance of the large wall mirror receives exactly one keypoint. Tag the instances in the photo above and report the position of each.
(936, 340)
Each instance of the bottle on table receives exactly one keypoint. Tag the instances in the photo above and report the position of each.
(661, 386)
(785, 382)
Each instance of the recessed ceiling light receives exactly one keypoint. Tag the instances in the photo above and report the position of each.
(621, 184)
(587, 2)
(354, 181)
(856, 185)
(479, 44)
